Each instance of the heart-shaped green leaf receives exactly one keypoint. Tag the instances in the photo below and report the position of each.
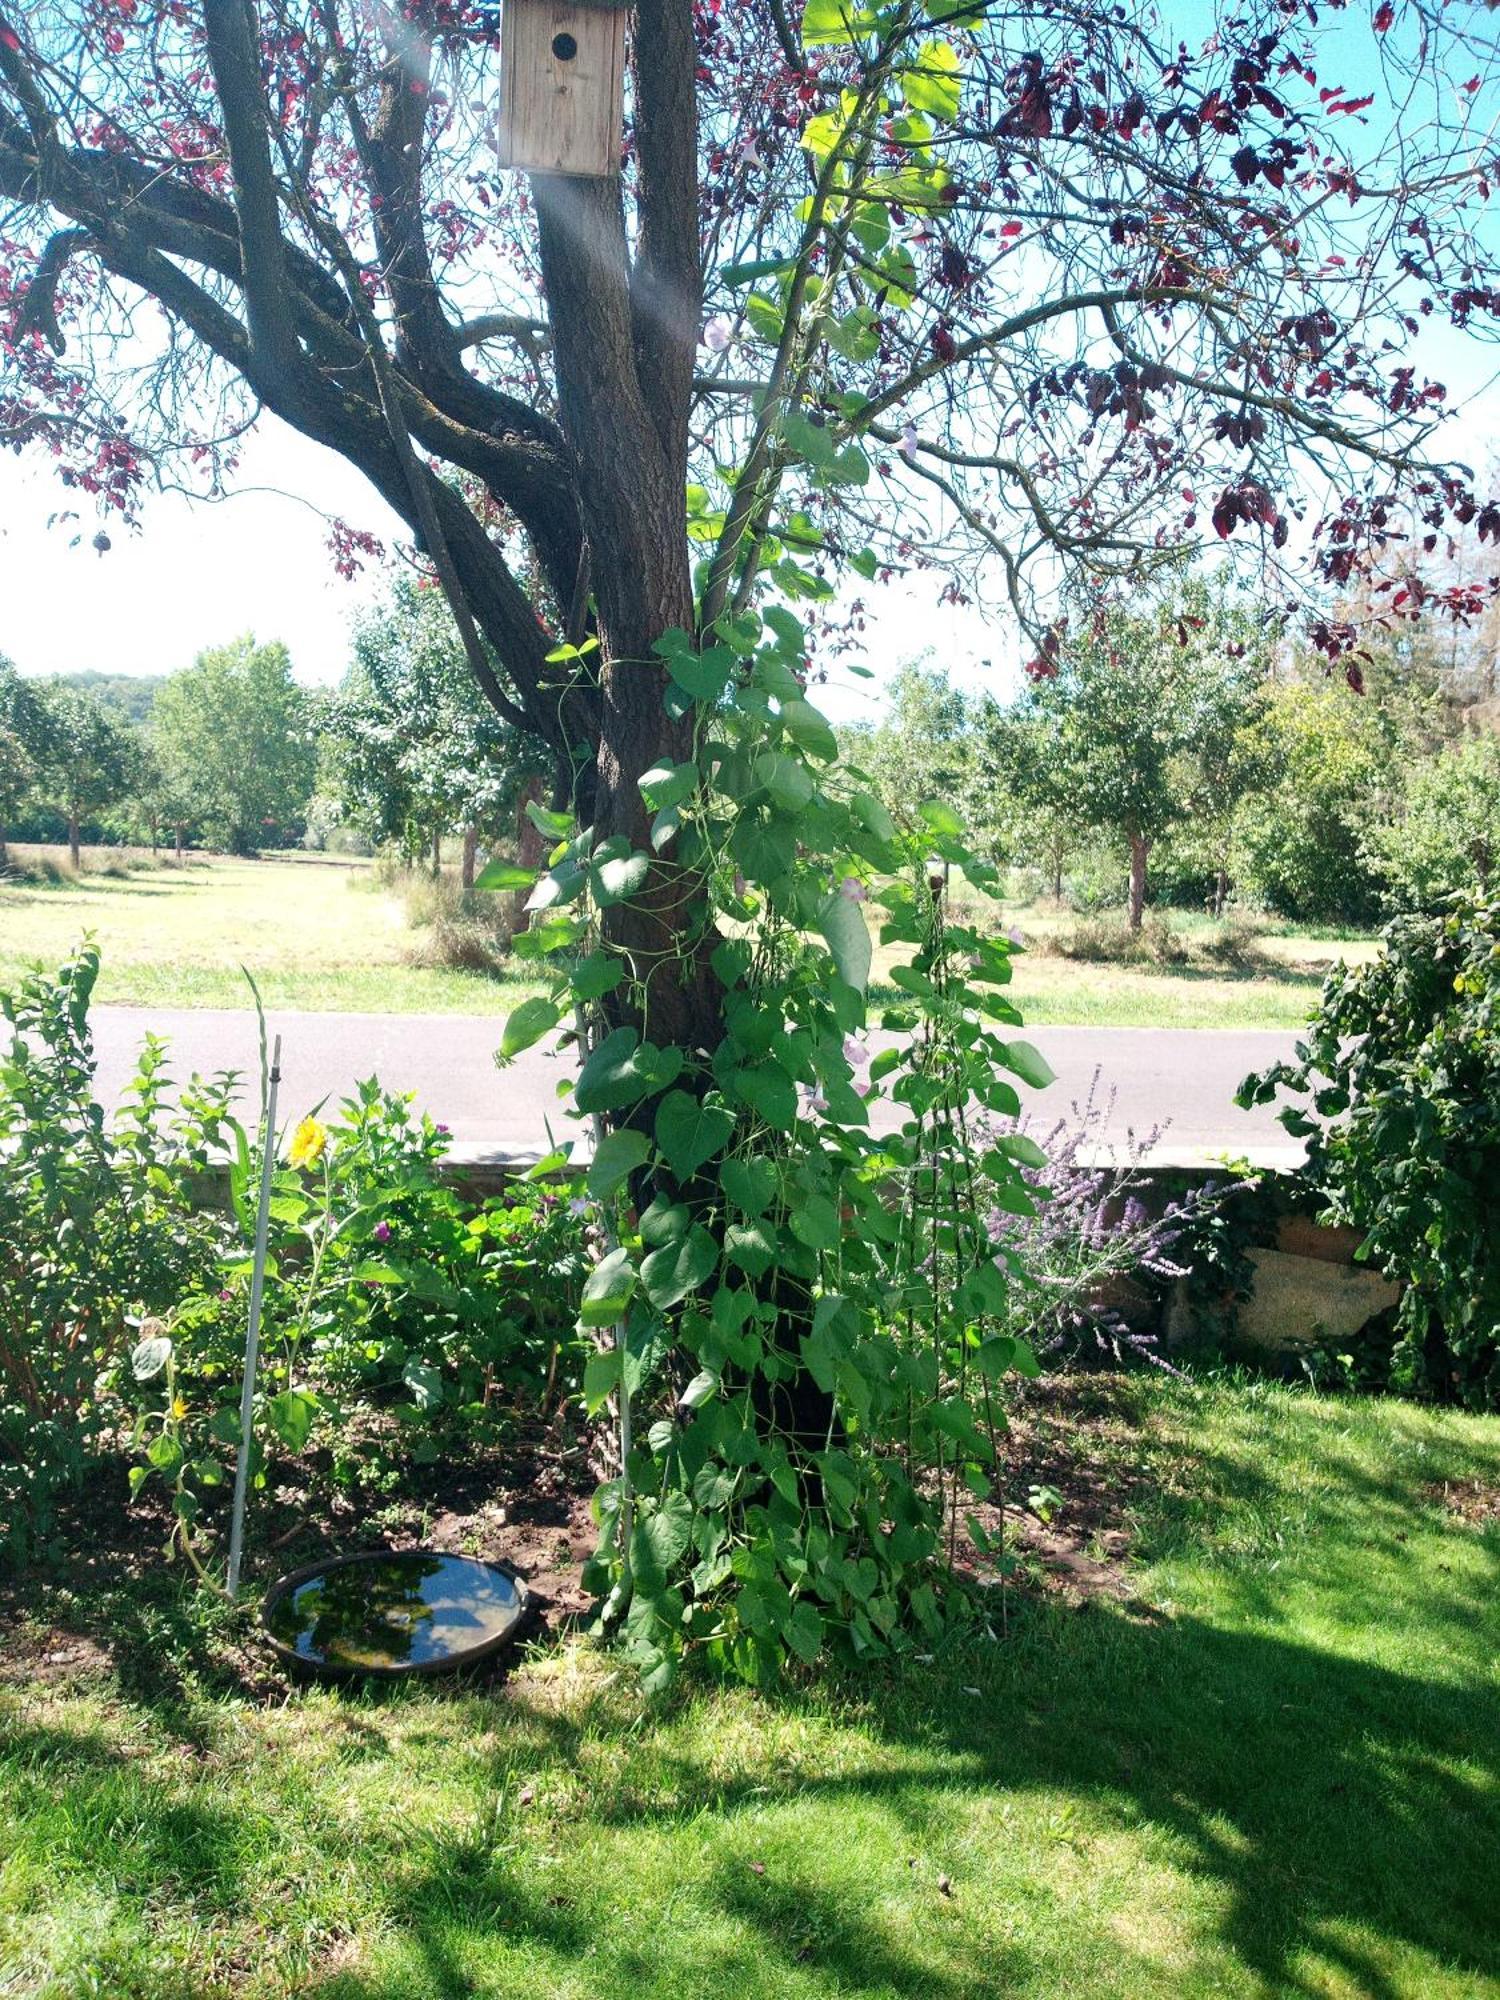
(690, 1132)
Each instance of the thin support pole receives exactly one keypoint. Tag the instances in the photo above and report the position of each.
(252, 1339)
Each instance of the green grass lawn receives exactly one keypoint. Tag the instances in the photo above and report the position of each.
(320, 932)
(317, 931)
(1269, 1768)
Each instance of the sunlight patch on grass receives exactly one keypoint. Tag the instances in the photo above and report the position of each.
(1280, 1774)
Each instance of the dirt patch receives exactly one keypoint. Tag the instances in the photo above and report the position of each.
(112, 1603)
(48, 1656)
(1475, 1502)
(1077, 1457)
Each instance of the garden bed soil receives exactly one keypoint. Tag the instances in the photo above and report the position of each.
(113, 1603)
(1474, 1502)
(111, 1600)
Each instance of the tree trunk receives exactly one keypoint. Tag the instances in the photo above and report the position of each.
(1057, 875)
(471, 849)
(437, 855)
(1140, 849)
(75, 847)
(1221, 892)
(181, 832)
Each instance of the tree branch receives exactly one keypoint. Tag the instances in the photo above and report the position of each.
(235, 61)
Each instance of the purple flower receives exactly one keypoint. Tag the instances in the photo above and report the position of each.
(381, 1232)
(444, 1129)
(909, 443)
(855, 1053)
(717, 334)
(853, 890)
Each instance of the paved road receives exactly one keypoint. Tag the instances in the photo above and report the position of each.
(1181, 1079)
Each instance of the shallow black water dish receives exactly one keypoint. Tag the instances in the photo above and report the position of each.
(389, 1614)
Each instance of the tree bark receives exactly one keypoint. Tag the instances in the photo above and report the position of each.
(1140, 850)
(75, 846)
(471, 849)
(437, 855)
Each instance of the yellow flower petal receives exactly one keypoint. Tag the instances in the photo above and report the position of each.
(308, 1142)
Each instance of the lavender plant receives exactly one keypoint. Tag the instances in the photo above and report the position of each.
(1095, 1250)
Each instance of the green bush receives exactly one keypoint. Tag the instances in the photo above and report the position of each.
(99, 1228)
(1445, 841)
(1403, 1061)
(398, 1316)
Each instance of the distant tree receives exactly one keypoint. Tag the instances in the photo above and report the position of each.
(1299, 844)
(1445, 837)
(158, 798)
(85, 757)
(1135, 707)
(235, 740)
(130, 696)
(923, 748)
(1227, 764)
(18, 729)
(417, 752)
(1022, 801)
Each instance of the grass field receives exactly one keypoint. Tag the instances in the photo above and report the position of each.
(320, 932)
(317, 931)
(1268, 1768)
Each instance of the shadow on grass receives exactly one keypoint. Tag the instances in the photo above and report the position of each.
(1323, 1798)
(1340, 1816)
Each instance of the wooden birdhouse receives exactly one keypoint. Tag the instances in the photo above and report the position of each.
(562, 84)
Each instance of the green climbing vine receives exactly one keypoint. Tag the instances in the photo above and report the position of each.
(796, 1306)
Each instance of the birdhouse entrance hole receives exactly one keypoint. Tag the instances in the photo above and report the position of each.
(564, 47)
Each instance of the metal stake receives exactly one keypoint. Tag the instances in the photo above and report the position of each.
(252, 1341)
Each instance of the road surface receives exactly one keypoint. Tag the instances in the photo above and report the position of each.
(1179, 1079)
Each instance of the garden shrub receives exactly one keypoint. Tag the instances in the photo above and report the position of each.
(1403, 1064)
(99, 1228)
(399, 1317)
(1103, 1244)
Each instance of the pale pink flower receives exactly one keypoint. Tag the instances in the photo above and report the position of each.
(909, 443)
(855, 1053)
(717, 334)
(853, 890)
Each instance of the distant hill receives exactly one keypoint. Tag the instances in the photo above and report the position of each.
(130, 695)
